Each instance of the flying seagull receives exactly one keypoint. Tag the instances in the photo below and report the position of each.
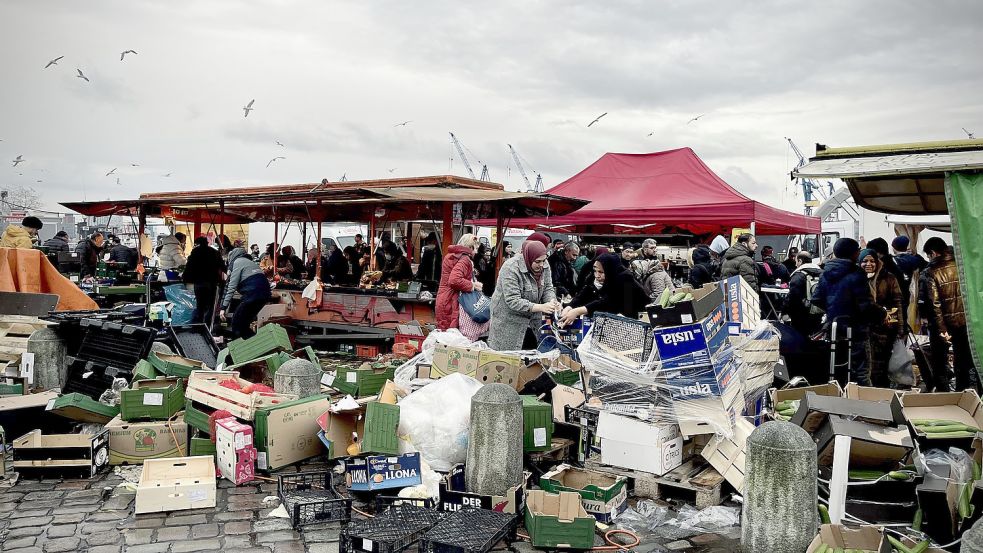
(280, 144)
(82, 75)
(53, 62)
(598, 119)
(125, 52)
(168, 174)
(248, 107)
(650, 134)
(272, 160)
(393, 169)
(117, 181)
(134, 165)
(403, 124)
(969, 134)
(695, 118)
(111, 172)
(19, 159)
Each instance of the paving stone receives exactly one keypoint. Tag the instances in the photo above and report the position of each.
(235, 543)
(53, 494)
(678, 545)
(75, 509)
(289, 547)
(237, 527)
(173, 533)
(204, 531)
(41, 504)
(73, 518)
(24, 550)
(72, 485)
(62, 531)
(60, 545)
(321, 535)
(242, 490)
(257, 549)
(138, 536)
(271, 524)
(33, 521)
(8, 507)
(195, 545)
(703, 539)
(148, 522)
(28, 487)
(105, 549)
(28, 541)
(246, 498)
(185, 519)
(323, 548)
(279, 535)
(117, 503)
(81, 501)
(107, 516)
(25, 532)
(24, 513)
(149, 548)
(10, 497)
(96, 527)
(77, 494)
(104, 538)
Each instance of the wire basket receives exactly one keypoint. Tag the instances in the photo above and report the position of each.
(620, 340)
(469, 531)
(395, 529)
(309, 497)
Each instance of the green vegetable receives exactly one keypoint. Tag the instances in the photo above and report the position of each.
(664, 298)
(933, 422)
(823, 514)
(861, 474)
(838, 550)
(976, 470)
(688, 297)
(921, 547)
(916, 524)
(955, 434)
(902, 548)
(964, 493)
(823, 548)
(899, 475)
(946, 428)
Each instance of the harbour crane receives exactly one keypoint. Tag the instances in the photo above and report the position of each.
(467, 165)
(538, 187)
(808, 186)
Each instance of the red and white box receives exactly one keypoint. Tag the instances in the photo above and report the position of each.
(234, 450)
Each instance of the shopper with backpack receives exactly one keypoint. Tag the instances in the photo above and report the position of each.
(806, 317)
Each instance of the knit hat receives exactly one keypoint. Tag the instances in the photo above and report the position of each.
(901, 243)
(32, 222)
(879, 245)
(845, 248)
(866, 252)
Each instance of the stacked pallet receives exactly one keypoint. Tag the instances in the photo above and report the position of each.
(14, 333)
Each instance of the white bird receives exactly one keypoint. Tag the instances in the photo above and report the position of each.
(393, 169)
(134, 165)
(53, 62)
(81, 75)
(111, 172)
(125, 52)
(274, 159)
(168, 174)
(695, 118)
(280, 144)
(403, 124)
(598, 119)
(248, 107)
(19, 159)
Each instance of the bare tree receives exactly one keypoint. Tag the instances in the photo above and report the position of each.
(21, 198)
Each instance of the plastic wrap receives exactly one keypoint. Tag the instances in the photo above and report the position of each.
(434, 421)
(695, 375)
(406, 374)
(183, 301)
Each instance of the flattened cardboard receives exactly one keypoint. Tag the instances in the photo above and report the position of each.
(132, 443)
(846, 537)
(814, 408)
(562, 397)
(290, 433)
(872, 446)
(450, 359)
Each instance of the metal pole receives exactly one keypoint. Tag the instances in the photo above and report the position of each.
(319, 216)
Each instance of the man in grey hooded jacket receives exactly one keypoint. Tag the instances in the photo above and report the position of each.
(248, 279)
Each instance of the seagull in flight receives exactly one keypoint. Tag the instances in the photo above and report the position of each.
(272, 160)
(969, 134)
(168, 174)
(125, 52)
(598, 119)
(53, 62)
(650, 134)
(134, 165)
(82, 75)
(19, 159)
(393, 169)
(280, 144)
(117, 181)
(403, 124)
(695, 118)
(248, 107)
(111, 172)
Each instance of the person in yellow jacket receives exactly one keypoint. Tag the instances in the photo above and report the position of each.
(22, 236)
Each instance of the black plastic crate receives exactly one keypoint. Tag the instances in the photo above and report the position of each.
(91, 377)
(195, 342)
(383, 502)
(69, 324)
(469, 531)
(310, 497)
(395, 529)
(114, 344)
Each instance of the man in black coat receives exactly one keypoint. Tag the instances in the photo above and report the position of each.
(204, 271)
(561, 269)
(430, 259)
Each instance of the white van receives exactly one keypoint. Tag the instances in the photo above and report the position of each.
(338, 234)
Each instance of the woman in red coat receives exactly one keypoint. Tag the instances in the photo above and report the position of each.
(456, 276)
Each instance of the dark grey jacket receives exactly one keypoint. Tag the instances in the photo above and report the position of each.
(241, 268)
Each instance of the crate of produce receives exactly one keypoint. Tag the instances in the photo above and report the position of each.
(392, 530)
(82, 408)
(362, 382)
(114, 344)
(212, 388)
(201, 444)
(195, 342)
(268, 339)
(144, 370)
(558, 521)
(537, 424)
(175, 365)
(156, 399)
(310, 497)
(176, 484)
(469, 531)
(381, 424)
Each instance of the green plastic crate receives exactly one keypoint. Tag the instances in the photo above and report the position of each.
(381, 424)
(82, 408)
(362, 382)
(275, 361)
(201, 444)
(195, 416)
(11, 389)
(175, 365)
(558, 521)
(566, 378)
(537, 425)
(156, 399)
(268, 339)
(145, 370)
(603, 495)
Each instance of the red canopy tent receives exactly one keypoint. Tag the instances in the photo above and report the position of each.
(662, 193)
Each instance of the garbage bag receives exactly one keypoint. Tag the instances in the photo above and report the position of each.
(183, 301)
(899, 368)
(434, 421)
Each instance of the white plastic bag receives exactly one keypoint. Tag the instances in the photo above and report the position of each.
(899, 368)
(434, 420)
(310, 292)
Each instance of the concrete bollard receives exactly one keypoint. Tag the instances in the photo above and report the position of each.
(50, 366)
(780, 494)
(494, 462)
(160, 347)
(973, 538)
(298, 376)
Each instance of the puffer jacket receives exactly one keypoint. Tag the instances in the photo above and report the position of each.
(702, 271)
(56, 244)
(843, 293)
(652, 276)
(739, 260)
(944, 293)
(171, 254)
(16, 236)
(246, 277)
(887, 294)
(456, 276)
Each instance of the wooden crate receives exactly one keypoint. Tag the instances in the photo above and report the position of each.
(694, 481)
(203, 387)
(14, 332)
(175, 484)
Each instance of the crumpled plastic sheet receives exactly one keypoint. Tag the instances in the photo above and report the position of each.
(649, 520)
(434, 420)
(112, 396)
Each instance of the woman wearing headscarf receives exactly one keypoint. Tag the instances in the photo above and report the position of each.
(585, 277)
(613, 290)
(886, 291)
(456, 276)
(523, 293)
(485, 268)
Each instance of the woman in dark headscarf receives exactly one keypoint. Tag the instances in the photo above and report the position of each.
(586, 275)
(613, 290)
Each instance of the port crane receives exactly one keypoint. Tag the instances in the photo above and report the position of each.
(538, 187)
(467, 164)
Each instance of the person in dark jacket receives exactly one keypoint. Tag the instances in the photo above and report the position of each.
(57, 243)
(880, 246)
(845, 296)
(336, 269)
(771, 269)
(805, 318)
(618, 292)
(289, 265)
(430, 265)
(885, 332)
(739, 260)
(119, 253)
(204, 271)
(700, 263)
(790, 263)
(248, 279)
(938, 374)
(484, 268)
(561, 268)
(90, 252)
(906, 261)
(397, 267)
(949, 312)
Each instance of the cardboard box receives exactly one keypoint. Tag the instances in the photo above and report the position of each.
(383, 472)
(693, 344)
(963, 407)
(450, 359)
(558, 521)
(830, 389)
(814, 409)
(603, 496)
(373, 425)
(562, 397)
(705, 300)
(453, 496)
(715, 379)
(887, 501)
(287, 433)
(835, 535)
(708, 415)
(743, 305)
(176, 484)
(636, 445)
(872, 445)
(938, 498)
(494, 367)
(870, 393)
(234, 451)
(132, 443)
(728, 455)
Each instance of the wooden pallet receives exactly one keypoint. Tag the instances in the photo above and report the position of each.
(694, 480)
(560, 450)
(15, 330)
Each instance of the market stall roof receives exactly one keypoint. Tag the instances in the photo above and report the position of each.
(394, 199)
(903, 179)
(661, 193)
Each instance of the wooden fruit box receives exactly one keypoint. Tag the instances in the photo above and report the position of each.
(204, 387)
(176, 484)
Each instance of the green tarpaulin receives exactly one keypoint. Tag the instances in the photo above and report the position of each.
(964, 196)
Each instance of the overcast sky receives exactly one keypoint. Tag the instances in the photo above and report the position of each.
(332, 79)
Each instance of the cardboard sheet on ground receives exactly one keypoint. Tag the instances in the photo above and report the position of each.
(30, 271)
